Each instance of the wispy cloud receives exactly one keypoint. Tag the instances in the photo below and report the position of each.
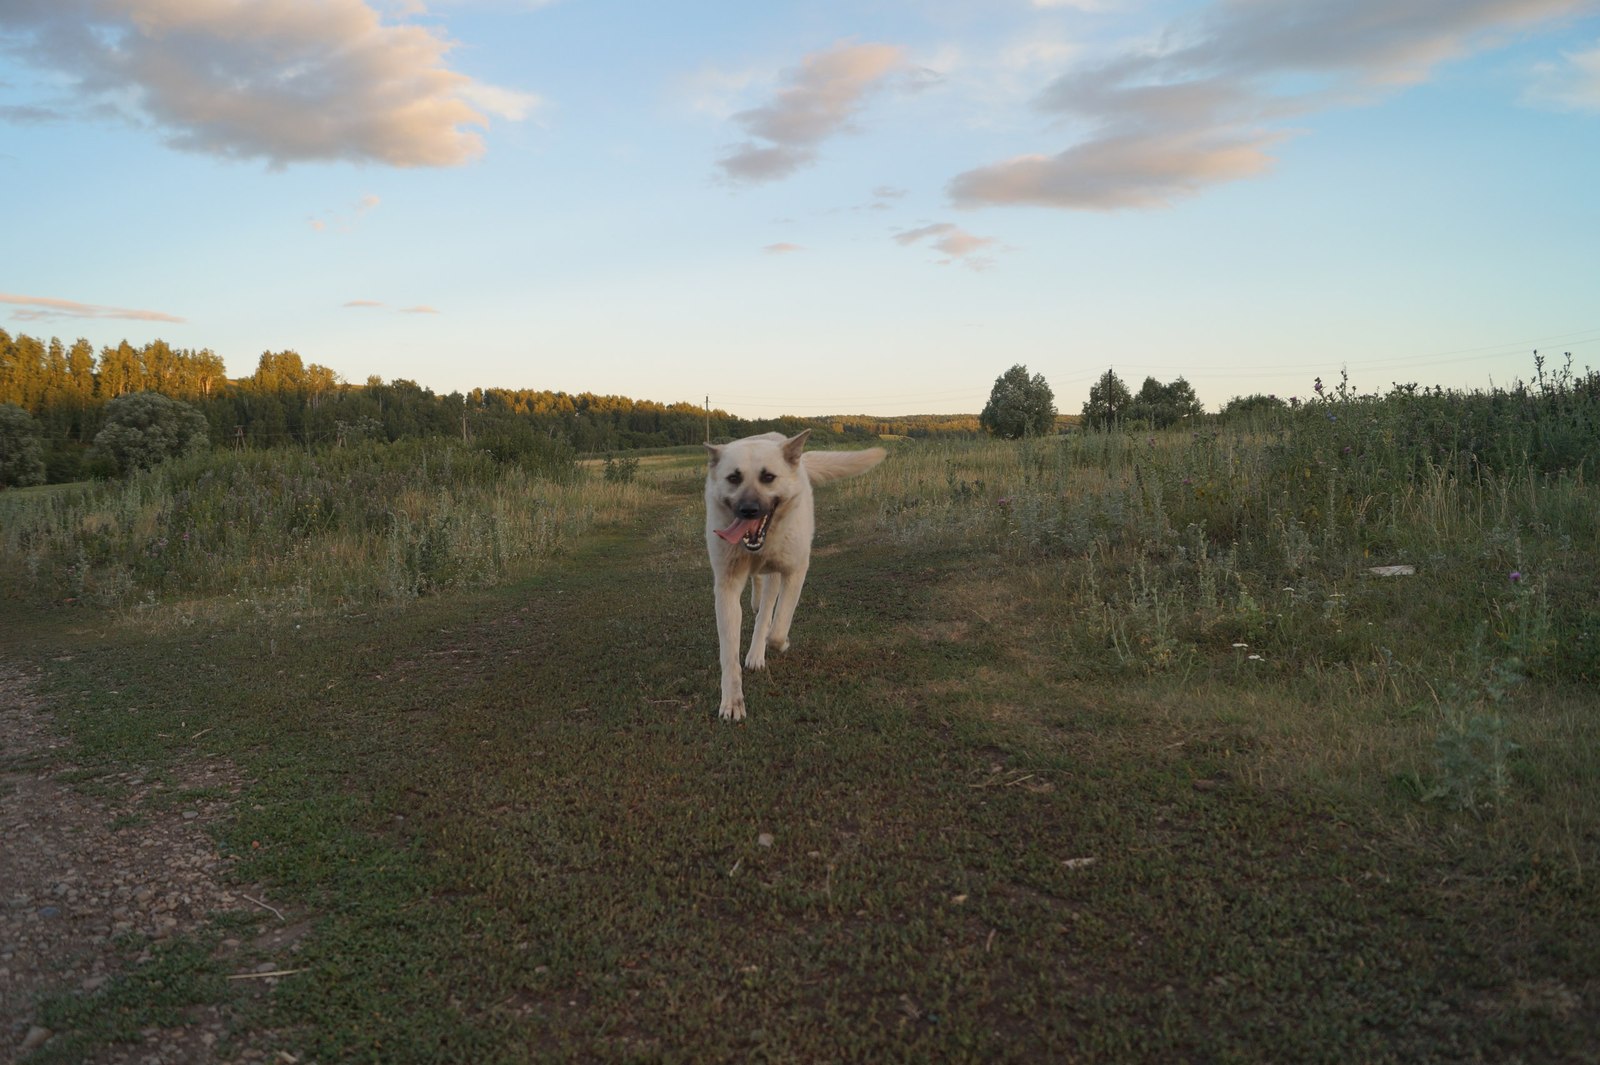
(955, 242)
(421, 308)
(783, 248)
(363, 303)
(1571, 85)
(816, 101)
(43, 308)
(287, 81)
(344, 221)
(1173, 119)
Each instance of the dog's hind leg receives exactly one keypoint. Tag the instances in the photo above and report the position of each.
(768, 587)
(783, 616)
(729, 619)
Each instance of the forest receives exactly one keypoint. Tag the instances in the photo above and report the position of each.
(288, 401)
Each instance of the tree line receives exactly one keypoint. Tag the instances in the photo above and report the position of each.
(64, 390)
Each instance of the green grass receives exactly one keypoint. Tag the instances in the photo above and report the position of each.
(1025, 799)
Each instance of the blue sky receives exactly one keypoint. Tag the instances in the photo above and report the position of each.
(876, 206)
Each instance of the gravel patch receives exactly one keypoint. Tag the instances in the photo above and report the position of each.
(86, 870)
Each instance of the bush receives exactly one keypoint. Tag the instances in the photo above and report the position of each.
(21, 457)
(145, 429)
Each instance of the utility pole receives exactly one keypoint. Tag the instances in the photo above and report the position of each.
(708, 419)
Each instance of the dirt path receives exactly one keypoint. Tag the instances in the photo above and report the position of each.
(95, 879)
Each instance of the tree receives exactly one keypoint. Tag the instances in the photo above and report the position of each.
(1019, 405)
(1108, 402)
(21, 456)
(143, 429)
(1160, 406)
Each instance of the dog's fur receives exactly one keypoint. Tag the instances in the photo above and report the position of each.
(760, 517)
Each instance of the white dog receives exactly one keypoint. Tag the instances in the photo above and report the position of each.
(759, 520)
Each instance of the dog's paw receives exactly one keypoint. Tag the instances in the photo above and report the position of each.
(732, 709)
(756, 657)
(779, 645)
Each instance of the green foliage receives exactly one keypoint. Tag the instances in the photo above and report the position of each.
(1019, 406)
(146, 429)
(1473, 750)
(1160, 406)
(1255, 403)
(622, 470)
(1108, 402)
(21, 456)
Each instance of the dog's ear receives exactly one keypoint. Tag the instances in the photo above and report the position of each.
(715, 453)
(794, 445)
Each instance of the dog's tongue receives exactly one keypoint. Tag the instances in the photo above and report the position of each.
(739, 529)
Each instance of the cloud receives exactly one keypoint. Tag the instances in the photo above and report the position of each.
(363, 303)
(816, 101)
(287, 81)
(1205, 105)
(345, 221)
(421, 308)
(783, 248)
(43, 308)
(954, 241)
(1572, 85)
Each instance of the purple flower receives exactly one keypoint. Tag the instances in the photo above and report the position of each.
(1516, 575)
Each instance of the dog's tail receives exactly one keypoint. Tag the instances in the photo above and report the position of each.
(824, 466)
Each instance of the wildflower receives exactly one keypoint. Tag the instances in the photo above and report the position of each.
(1516, 575)
(1239, 646)
(1317, 388)
(1254, 658)
(1003, 501)
(1346, 449)
(1188, 480)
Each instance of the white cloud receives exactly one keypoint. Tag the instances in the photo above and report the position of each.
(44, 308)
(421, 308)
(816, 101)
(1202, 106)
(287, 81)
(782, 248)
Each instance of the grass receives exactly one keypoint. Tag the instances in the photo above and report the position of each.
(1014, 795)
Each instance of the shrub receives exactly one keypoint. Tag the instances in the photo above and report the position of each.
(21, 457)
(145, 429)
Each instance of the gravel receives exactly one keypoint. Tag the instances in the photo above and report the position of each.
(81, 873)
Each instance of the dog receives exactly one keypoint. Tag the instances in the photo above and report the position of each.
(760, 517)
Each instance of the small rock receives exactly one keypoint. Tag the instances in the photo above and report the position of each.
(37, 1037)
(764, 840)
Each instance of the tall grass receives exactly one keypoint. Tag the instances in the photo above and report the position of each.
(302, 531)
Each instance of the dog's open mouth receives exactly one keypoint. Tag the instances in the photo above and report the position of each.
(751, 532)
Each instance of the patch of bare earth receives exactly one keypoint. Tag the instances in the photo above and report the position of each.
(94, 880)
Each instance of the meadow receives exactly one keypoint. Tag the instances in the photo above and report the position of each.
(1273, 739)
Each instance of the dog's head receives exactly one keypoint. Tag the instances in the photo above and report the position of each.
(747, 483)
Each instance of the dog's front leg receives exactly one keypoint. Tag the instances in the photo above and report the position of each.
(788, 599)
(729, 619)
(768, 586)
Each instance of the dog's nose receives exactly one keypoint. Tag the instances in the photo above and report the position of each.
(748, 510)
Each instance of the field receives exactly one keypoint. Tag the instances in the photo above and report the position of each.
(1089, 748)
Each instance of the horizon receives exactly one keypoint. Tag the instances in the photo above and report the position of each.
(813, 207)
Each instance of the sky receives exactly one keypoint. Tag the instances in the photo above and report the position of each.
(871, 206)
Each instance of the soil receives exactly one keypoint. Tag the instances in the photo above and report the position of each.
(97, 871)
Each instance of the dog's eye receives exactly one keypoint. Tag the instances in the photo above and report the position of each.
(767, 477)
(735, 477)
